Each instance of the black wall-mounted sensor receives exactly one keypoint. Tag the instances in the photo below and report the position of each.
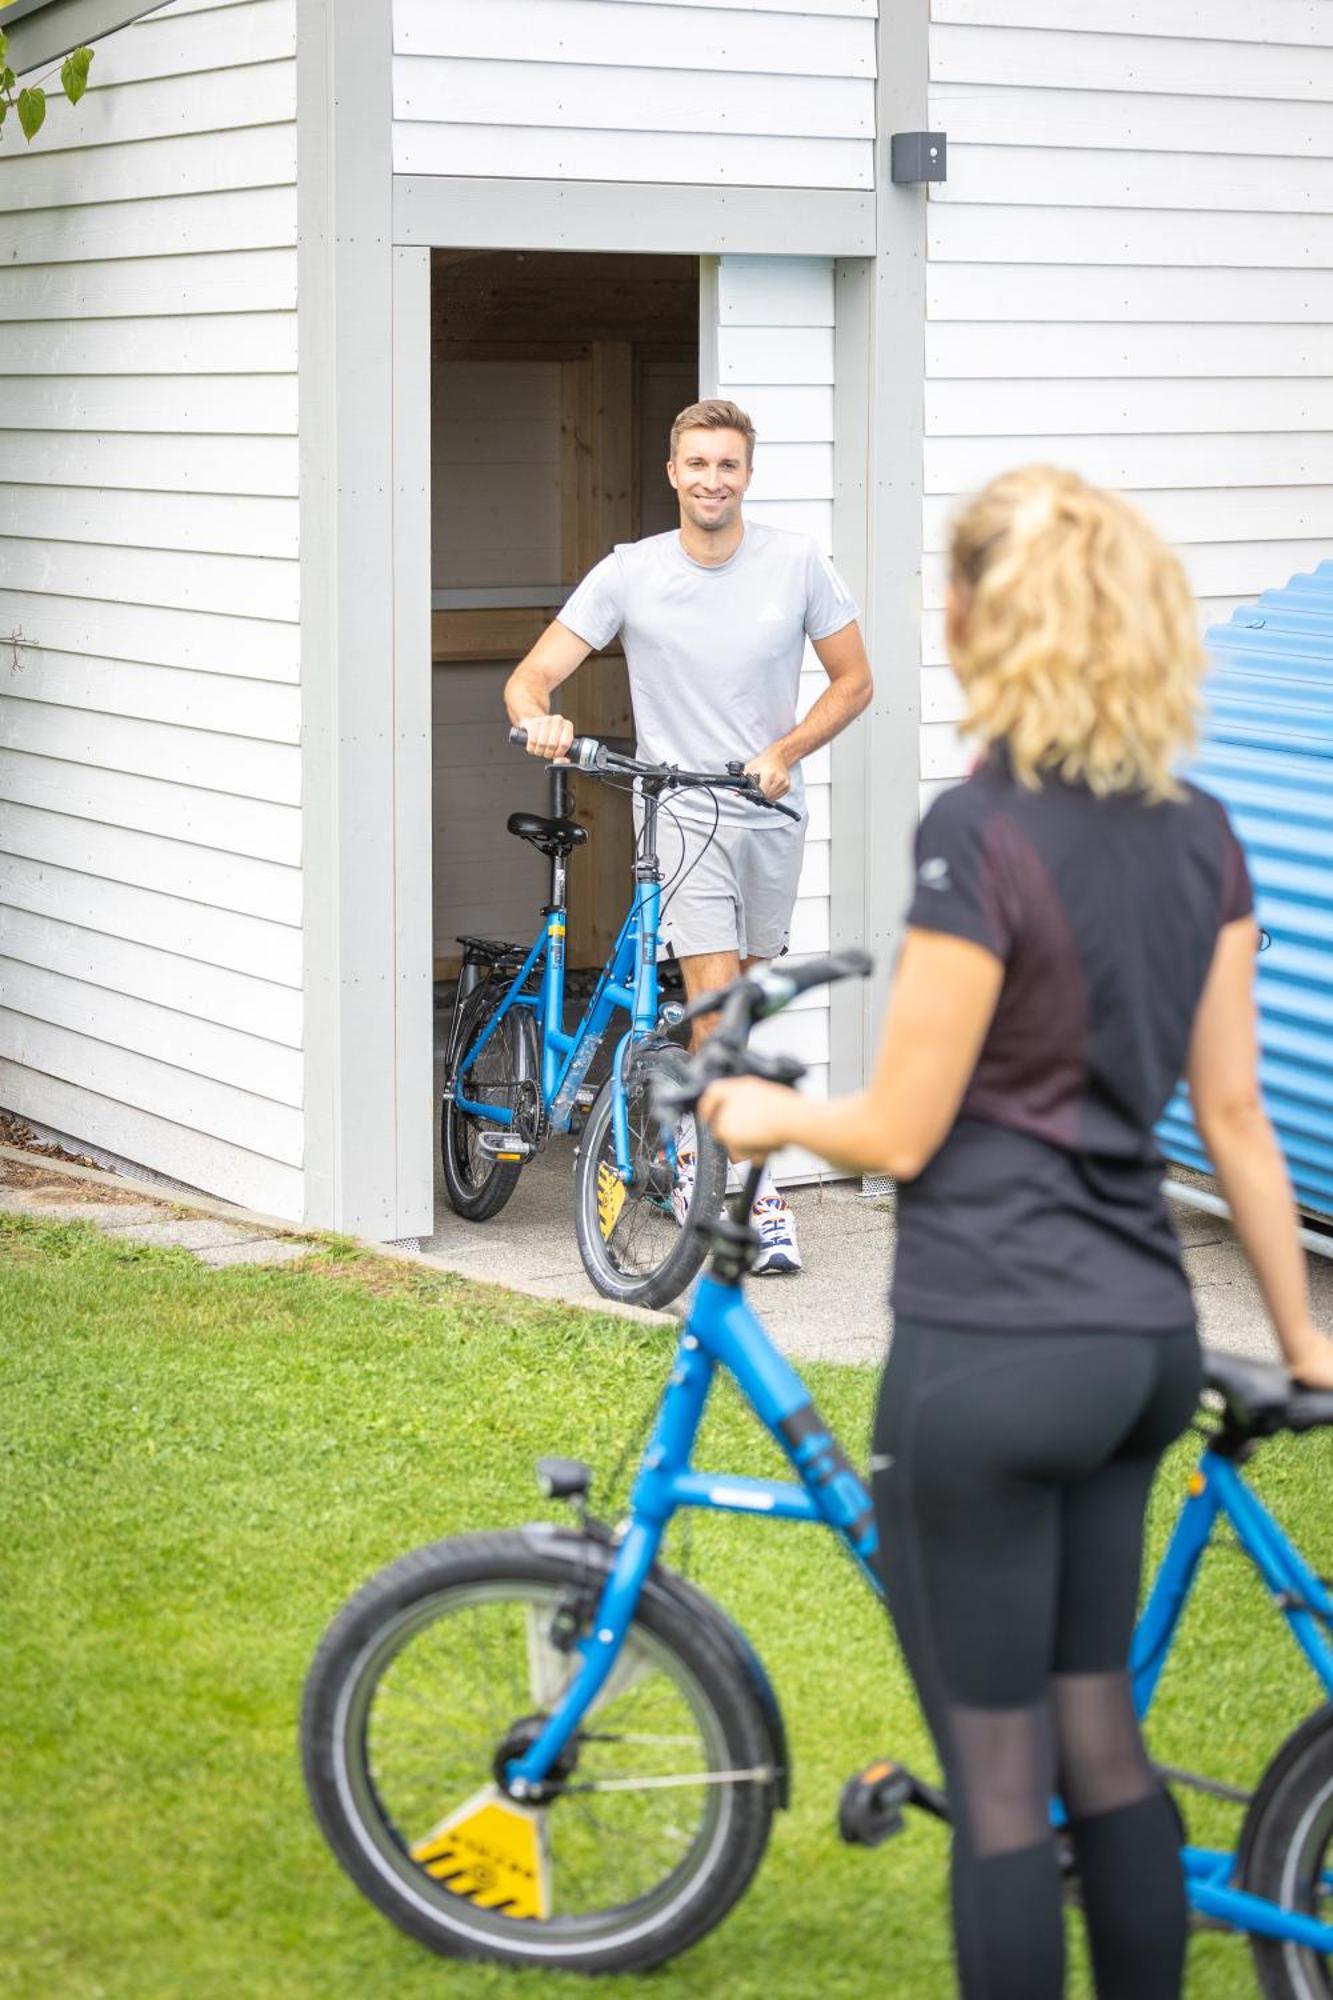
(918, 156)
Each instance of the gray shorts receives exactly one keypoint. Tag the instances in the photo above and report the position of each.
(733, 892)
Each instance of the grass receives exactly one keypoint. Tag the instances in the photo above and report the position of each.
(197, 1467)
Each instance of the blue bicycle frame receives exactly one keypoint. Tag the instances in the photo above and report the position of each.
(722, 1330)
(1216, 1490)
(627, 983)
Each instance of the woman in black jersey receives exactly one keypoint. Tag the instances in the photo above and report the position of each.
(1080, 934)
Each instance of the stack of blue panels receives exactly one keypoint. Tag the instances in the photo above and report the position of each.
(1267, 753)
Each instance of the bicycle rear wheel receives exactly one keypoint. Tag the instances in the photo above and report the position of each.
(438, 1673)
(1286, 1855)
(477, 1183)
(634, 1245)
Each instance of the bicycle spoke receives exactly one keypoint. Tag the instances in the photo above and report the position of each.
(440, 1715)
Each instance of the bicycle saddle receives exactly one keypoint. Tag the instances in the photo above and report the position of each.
(551, 836)
(1261, 1397)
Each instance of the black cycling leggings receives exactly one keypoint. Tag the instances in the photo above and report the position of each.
(1011, 1473)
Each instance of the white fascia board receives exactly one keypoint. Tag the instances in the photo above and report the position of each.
(41, 31)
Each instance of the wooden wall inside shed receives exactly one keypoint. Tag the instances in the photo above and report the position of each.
(555, 378)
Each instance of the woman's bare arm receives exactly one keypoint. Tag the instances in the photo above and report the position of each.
(1222, 1070)
(943, 998)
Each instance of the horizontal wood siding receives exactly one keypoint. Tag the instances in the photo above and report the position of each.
(1129, 273)
(150, 780)
(774, 344)
(757, 95)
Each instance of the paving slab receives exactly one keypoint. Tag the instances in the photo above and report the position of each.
(102, 1214)
(256, 1250)
(195, 1233)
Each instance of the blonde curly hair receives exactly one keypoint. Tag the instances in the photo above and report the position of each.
(1073, 633)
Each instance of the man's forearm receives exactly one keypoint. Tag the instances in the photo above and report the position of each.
(526, 693)
(840, 703)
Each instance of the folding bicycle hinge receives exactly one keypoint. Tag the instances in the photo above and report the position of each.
(872, 1804)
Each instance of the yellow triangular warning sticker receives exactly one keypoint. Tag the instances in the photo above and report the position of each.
(610, 1198)
(492, 1852)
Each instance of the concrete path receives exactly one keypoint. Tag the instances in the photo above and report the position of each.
(836, 1309)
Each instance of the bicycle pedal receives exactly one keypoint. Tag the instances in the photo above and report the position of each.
(872, 1804)
(503, 1146)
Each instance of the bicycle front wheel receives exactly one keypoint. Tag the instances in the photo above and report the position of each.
(639, 1240)
(441, 1670)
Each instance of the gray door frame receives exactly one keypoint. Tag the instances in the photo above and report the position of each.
(364, 333)
(879, 430)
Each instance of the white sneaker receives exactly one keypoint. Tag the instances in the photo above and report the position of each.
(772, 1218)
(682, 1186)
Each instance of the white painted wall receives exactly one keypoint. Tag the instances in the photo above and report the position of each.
(755, 93)
(767, 337)
(150, 827)
(1129, 274)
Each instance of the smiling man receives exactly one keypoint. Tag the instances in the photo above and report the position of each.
(714, 618)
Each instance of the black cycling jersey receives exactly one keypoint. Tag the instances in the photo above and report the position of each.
(1043, 1207)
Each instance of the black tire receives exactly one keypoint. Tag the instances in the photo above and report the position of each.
(366, 1675)
(1286, 1852)
(641, 1255)
(477, 1184)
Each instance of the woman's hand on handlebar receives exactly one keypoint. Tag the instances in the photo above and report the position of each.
(1310, 1360)
(751, 1119)
(548, 735)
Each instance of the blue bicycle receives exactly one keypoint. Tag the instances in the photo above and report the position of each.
(542, 1747)
(514, 1076)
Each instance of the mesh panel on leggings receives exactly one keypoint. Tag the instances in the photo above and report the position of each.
(1101, 1760)
(1004, 1772)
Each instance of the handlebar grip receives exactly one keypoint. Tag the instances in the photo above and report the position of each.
(518, 735)
(850, 964)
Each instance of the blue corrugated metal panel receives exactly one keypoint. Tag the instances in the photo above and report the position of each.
(1267, 753)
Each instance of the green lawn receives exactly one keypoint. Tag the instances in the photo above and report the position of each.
(199, 1466)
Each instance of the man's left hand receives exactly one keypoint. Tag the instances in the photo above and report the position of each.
(773, 773)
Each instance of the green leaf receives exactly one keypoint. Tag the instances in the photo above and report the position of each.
(4, 45)
(7, 78)
(74, 73)
(32, 110)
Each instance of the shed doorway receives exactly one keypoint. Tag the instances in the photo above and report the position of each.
(554, 380)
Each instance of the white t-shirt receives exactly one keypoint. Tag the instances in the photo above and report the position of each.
(714, 652)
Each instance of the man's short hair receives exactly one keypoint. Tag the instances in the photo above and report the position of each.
(715, 415)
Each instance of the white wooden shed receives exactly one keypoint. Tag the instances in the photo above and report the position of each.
(227, 559)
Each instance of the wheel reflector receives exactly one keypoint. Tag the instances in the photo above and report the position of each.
(610, 1198)
(492, 1853)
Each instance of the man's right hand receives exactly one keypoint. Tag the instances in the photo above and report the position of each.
(548, 735)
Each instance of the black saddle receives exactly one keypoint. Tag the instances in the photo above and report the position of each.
(1261, 1398)
(550, 836)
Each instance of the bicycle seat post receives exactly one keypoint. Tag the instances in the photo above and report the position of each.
(559, 776)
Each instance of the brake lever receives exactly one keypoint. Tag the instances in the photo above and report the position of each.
(754, 790)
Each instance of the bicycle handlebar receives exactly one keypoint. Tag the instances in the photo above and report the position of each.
(751, 998)
(588, 753)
